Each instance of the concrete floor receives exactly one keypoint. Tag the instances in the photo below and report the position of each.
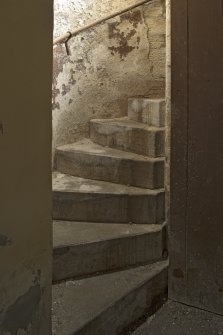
(177, 319)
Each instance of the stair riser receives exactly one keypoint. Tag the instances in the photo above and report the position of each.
(151, 112)
(116, 208)
(126, 172)
(130, 308)
(139, 141)
(88, 259)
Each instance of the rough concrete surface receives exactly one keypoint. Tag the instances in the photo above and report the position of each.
(121, 58)
(89, 160)
(128, 135)
(107, 304)
(78, 199)
(82, 248)
(178, 319)
(78, 233)
(149, 111)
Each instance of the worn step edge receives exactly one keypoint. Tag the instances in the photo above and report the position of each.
(126, 122)
(124, 308)
(67, 183)
(78, 199)
(89, 160)
(130, 246)
(127, 135)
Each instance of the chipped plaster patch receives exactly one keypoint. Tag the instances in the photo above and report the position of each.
(20, 320)
(5, 240)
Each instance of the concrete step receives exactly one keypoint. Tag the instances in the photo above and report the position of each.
(107, 304)
(81, 249)
(148, 111)
(78, 199)
(89, 160)
(128, 135)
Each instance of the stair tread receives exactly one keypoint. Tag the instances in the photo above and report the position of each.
(77, 303)
(67, 233)
(126, 122)
(67, 183)
(90, 148)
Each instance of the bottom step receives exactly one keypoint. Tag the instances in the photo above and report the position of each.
(107, 304)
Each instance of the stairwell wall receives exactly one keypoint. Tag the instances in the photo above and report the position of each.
(26, 29)
(121, 58)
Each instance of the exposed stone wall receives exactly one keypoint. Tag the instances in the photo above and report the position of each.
(121, 58)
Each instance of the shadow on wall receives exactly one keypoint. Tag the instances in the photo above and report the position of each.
(121, 58)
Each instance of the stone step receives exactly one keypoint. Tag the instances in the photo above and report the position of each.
(89, 160)
(148, 111)
(81, 249)
(78, 199)
(128, 135)
(109, 303)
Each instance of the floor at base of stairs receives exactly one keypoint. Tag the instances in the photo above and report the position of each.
(177, 319)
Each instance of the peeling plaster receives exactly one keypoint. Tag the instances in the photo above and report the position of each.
(5, 241)
(18, 319)
(123, 48)
(121, 58)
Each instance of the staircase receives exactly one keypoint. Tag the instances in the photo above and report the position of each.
(109, 244)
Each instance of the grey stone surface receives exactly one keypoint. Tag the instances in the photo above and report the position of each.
(107, 304)
(149, 111)
(78, 199)
(178, 319)
(89, 160)
(82, 248)
(128, 135)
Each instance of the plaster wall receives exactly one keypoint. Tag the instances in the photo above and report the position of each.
(26, 29)
(121, 58)
(196, 211)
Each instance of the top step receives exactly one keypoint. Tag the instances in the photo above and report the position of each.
(148, 111)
